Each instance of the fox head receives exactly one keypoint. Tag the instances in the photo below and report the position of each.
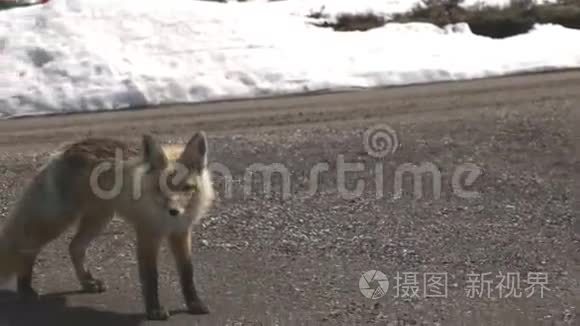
(177, 182)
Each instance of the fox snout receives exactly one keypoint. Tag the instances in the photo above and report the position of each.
(176, 205)
(175, 211)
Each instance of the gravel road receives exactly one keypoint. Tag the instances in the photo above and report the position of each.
(502, 150)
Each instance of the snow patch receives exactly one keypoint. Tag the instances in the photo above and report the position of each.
(86, 55)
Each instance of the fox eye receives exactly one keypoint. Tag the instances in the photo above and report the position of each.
(189, 187)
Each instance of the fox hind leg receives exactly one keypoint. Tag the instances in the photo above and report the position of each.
(90, 226)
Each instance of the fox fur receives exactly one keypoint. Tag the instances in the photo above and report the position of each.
(162, 192)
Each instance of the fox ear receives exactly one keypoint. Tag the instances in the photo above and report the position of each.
(152, 153)
(194, 155)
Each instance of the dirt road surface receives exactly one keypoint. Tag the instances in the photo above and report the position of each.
(295, 256)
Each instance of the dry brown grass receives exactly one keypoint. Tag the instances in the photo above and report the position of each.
(496, 22)
(355, 22)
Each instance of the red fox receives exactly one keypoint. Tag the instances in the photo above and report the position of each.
(162, 193)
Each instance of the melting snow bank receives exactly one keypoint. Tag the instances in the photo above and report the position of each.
(82, 55)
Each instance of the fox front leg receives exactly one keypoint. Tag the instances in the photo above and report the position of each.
(181, 247)
(24, 279)
(147, 251)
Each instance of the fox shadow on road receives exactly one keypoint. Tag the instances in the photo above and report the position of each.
(53, 310)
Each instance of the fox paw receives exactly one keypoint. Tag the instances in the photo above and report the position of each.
(197, 308)
(158, 314)
(28, 294)
(93, 286)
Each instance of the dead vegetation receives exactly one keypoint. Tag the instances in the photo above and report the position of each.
(496, 22)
